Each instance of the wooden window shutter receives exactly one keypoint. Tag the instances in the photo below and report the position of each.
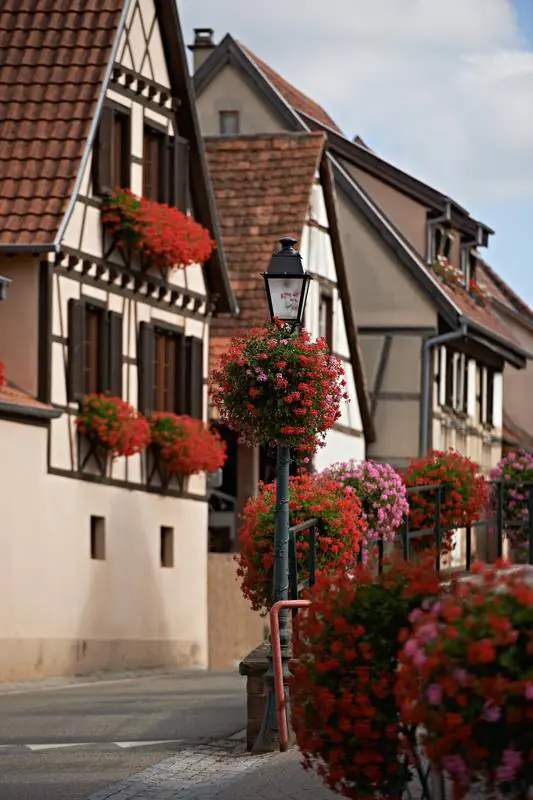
(181, 173)
(181, 375)
(195, 377)
(167, 169)
(103, 154)
(76, 350)
(145, 366)
(115, 353)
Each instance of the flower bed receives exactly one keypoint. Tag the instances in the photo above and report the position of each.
(463, 497)
(516, 469)
(467, 676)
(113, 424)
(310, 497)
(275, 386)
(344, 712)
(186, 446)
(381, 492)
(164, 236)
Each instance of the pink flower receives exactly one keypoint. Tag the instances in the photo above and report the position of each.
(529, 691)
(434, 694)
(491, 712)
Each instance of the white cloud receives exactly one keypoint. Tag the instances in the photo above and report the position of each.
(445, 90)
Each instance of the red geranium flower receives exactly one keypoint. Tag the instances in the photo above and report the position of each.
(115, 424)
(186, 445)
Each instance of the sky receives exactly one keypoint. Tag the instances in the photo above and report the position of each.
(443, 90)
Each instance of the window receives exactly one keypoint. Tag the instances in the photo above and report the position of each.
(456, 382)
(166, 535)
(229, 123)
(153, 164)
(171, 371)
(441, 243)
(94, 350)
(166, 168)
(325, 318)
(97, 543)
(111, 157)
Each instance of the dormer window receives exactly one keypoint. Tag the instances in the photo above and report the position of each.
(442, 242)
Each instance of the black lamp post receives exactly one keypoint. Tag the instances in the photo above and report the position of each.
(287, 287)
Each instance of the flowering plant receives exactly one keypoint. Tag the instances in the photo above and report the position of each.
(478, 291)
(466, 675)
(343, 707)
(463, 497)
(114, 424)
(515, 470)
(447, 273)
(311, 496)
(186, 445)
(165, 236)
(382, 494)
(275, 386)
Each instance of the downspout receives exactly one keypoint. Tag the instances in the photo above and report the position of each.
(427, 348)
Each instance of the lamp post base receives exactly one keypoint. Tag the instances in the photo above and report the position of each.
(268, 737)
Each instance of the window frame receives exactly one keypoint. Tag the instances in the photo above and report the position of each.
(104, 179)
(326, 301)
(109, 355)
(158, 136)
(226, 114)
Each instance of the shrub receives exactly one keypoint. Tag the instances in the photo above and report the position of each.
(467, 676)
(344, 711)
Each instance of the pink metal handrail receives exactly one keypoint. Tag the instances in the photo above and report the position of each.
(281, 710)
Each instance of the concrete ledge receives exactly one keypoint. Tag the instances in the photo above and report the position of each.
(253, 667)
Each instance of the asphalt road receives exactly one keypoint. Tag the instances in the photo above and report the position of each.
(108, 727)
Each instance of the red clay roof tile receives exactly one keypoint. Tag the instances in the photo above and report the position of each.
(262, 186)
(54, 57)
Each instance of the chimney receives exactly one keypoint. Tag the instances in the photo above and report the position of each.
(203, 46)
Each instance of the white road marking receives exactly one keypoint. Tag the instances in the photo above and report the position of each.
(35, 747)
(127, 745)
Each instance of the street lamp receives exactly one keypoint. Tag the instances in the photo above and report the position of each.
(287, 287)
(286, 283)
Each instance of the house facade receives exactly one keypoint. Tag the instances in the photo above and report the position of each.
(434, 352)
(104, 564)
(267, 185)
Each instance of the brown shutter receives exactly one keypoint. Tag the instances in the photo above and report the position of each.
(181, 374)
(167, 168)
(181, 173)
(103, 154)
(195, 377)
(145, 366)
(115, 353)
(76, 350)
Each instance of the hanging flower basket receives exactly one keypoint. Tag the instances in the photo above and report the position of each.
(466, 676)
(382, 495)
(310, 496)
(186, 446)
(113, 425)
(343, 708)
(463, 498)
(515, 471)
(275, 386)
(163, 236)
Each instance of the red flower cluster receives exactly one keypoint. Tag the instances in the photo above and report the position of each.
(186, 446)
(277, 386)
(115, 424)
(343, 707)
(463, 498)
(466, 675)
(310, 496)
(164, 235)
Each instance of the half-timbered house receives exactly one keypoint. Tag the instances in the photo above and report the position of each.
(434, 354)
(104, 564)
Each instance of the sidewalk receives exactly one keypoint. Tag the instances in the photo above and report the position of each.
(221, 772)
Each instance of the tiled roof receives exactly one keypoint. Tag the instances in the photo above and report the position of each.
(54, 57)
(294, 97)
(12, 396)
(262, 187)
(502, 292)
(480, 314)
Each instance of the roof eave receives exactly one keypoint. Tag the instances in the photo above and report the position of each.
(509, 351)
(23, 411)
